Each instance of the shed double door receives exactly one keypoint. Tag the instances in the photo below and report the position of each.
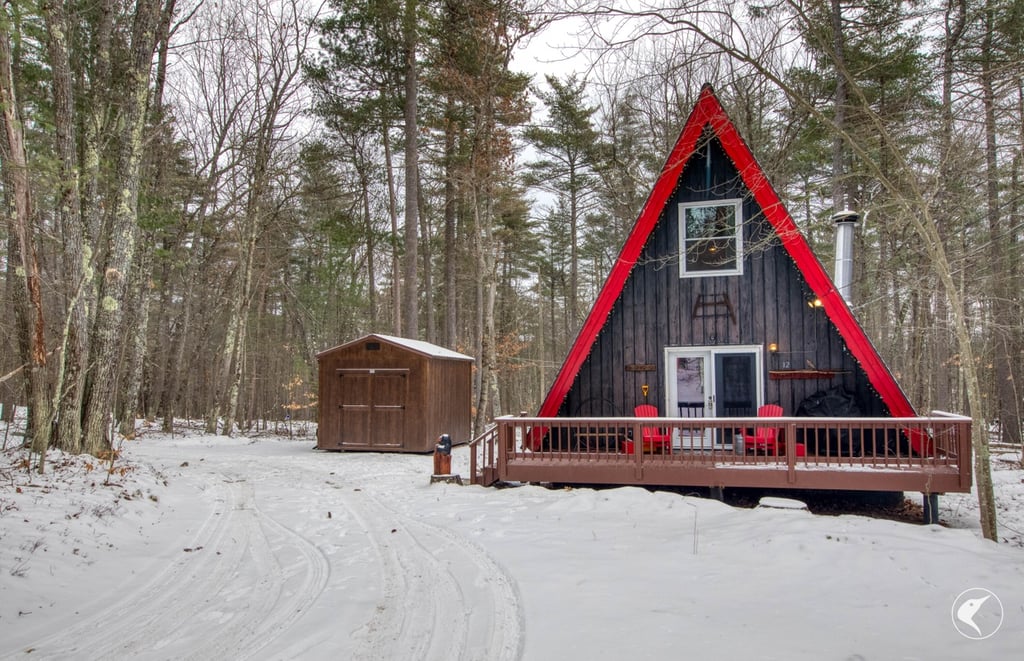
(373, 404)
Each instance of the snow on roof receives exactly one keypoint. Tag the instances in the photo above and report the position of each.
(419, 346)
(423, 347)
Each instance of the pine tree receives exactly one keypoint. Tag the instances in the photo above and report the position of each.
(566, 143)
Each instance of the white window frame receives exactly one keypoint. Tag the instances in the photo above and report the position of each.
(736, 238)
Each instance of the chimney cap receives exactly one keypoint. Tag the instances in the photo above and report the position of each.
(845, 216)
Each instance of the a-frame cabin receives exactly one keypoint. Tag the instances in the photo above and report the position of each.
(717, 303)
(715, 307)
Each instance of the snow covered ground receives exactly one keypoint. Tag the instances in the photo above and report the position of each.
(208, 547)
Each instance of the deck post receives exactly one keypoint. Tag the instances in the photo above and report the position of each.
(931, 508)
(504, 449)
(965, 455)
(638, 451)
(718, 493)
(791, 452)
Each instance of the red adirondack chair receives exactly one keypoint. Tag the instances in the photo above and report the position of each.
(763, 440)
(654, 439)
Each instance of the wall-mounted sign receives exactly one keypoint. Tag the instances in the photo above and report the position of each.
(641, 367)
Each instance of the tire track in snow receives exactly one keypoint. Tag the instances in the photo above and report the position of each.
(496, 610)
(137, 610)
(280, 599)
(443, 598)
(300, 598)
(227, 596)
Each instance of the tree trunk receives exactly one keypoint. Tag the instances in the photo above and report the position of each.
(839, 200)
(427, 273)
(1013, 414)
(410, 299)
(450, 248)
(107, 331)
(240, 294)
(483, 205)
(169, 394)
(371, 248)
(98, 99)
(574, 259)
(484, 323)
(396, 276)
(240, 347)
(136, 332)
(137, 373)
(257, 409)
(13, 160)
(76, 254)
(1002, 287)
(955, 22)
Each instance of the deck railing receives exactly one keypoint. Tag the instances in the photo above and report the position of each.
(483, 457)
(929, 453)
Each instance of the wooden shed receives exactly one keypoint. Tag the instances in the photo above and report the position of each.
(392, 394)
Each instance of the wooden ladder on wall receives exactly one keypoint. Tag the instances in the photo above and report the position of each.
(713, 305)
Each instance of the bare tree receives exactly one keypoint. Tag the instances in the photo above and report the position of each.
(270, 51)
(20, 219)
(210, 95)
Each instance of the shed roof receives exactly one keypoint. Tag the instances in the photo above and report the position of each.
(709, 114)
(418, 346)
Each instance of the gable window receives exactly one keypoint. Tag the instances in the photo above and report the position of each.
(709, 234)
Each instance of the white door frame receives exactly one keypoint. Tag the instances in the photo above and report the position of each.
(708, 353)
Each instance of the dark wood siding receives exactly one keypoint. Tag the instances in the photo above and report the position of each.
(448, 400)
(657, 310)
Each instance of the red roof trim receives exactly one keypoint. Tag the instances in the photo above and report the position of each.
(708, 111)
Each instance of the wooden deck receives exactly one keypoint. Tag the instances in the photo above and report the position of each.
(930, 454)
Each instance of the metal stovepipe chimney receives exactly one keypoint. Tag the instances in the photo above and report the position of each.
(843, 277)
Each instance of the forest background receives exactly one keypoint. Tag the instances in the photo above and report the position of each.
(201, 196)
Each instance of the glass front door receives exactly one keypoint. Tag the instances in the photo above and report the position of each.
(711, 382)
